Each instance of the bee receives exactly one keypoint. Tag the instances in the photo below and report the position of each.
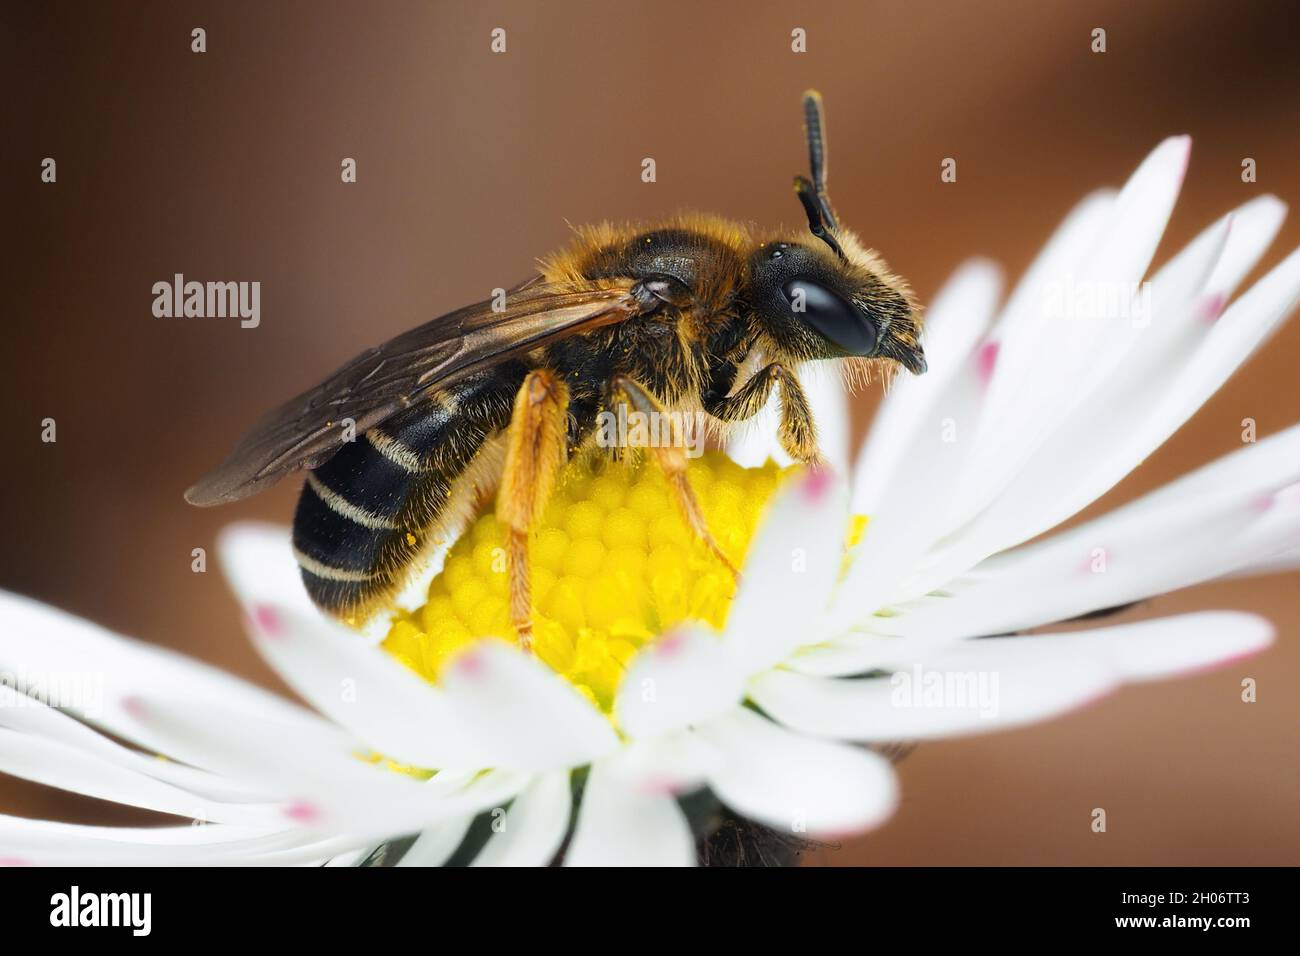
(693, 315)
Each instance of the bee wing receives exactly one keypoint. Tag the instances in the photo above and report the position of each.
(306, 431)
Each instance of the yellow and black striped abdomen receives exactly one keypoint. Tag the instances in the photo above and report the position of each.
(363, 516)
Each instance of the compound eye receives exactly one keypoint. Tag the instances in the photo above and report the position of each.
(834, 317)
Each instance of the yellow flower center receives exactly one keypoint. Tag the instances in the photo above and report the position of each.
(613, 566)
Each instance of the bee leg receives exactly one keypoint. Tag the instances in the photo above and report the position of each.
(535, 450)
(672, 459)
(798, 431)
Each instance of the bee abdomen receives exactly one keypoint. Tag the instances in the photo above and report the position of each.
(362, 516)
(349, 525)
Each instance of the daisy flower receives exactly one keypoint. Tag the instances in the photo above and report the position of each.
(659, 699)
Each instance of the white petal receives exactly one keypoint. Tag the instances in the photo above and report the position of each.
(1005, 682)
(788, 577)
(1254, 227)
(1279, 564)
(495, 708)
(620, 824)
(1020, 331)
(372, 814)
(257, 560)
(954, 323)
(534, 826)
(1081, 463)
(247, 746)
(45, 725)
(1245, 325)
(519, 716)
(1059, 349)
(1248, 473)
(793, 783)
(434, 846)
(524, 715)
(325, 787)
(1162, 324)
(915, 511)
(48, 843)
(350, 857)
(40, 646)
(1214, 521)
(59, 765)
(1117, 255)
(910, 505)
(388, 708)
(854, 654)
(685, 677)
(671, 764)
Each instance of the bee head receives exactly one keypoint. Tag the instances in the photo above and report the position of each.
(816, 305)
(833, 298)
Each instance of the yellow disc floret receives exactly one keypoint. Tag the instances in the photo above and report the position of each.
(613, 565)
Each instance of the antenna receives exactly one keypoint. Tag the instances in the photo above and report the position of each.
(812, 194)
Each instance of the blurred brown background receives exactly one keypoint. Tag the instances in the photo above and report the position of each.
(225, 166)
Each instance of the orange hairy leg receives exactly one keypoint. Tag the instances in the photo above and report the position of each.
(798, 431)
(672, 459)
(535, 450)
